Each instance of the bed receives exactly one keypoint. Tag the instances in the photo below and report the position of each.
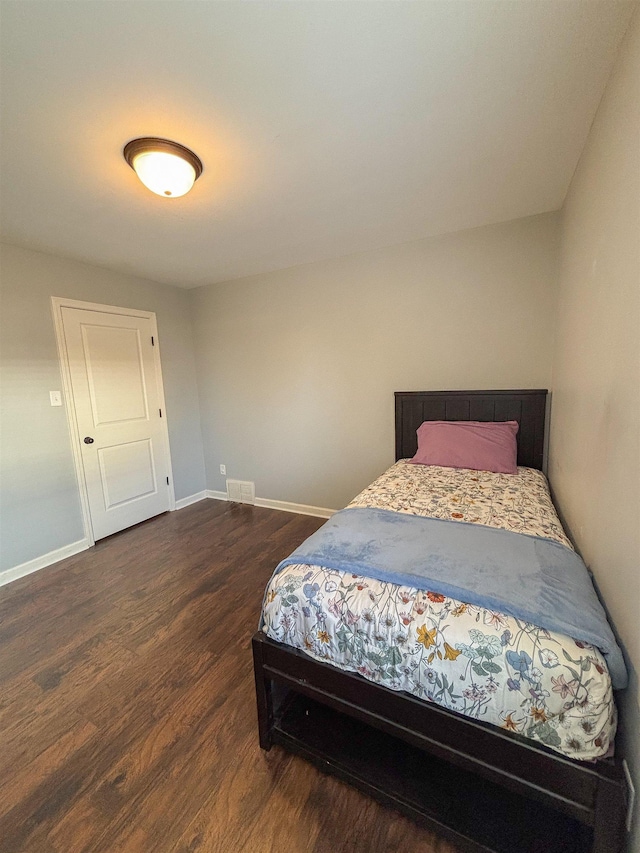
(487, 771)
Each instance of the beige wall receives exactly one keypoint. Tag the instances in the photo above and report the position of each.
(594, 463)
(40, 509)
(297, 368)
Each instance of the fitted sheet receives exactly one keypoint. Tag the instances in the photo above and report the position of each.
(480, 663)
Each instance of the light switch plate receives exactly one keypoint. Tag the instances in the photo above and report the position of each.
(56, 398)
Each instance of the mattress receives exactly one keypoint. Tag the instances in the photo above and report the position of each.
(483, 664)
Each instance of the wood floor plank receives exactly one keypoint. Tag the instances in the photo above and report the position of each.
(127, 707)
(288, 820)
(49, 695)
(229, 814)
(19, 779)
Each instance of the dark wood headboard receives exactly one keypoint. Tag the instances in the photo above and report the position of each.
(527, 407)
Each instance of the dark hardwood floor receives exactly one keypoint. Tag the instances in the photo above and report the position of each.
(127, 712)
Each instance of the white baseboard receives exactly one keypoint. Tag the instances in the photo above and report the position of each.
(217, 496)
(37, 563)
(191, 499)
(284, 506)
(301, 509)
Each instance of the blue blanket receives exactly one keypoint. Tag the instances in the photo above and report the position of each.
(533, 579)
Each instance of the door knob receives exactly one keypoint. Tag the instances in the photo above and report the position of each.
(88, 439)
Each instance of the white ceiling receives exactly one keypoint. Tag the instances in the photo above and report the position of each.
(325, 128)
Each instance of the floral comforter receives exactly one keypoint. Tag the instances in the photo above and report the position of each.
(483, 664)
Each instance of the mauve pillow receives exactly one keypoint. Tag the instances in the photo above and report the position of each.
(482, 446)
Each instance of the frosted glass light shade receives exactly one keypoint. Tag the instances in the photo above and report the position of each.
(164, 174)
(166, 168)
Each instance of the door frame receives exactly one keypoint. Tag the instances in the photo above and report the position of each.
(57, 304)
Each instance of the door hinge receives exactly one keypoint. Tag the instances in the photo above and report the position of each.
(153, 343)
(167, 481)
(160, 410)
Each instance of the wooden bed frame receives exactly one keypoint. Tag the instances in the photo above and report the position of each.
(481, 787)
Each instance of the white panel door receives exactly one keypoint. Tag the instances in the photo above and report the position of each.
(117, 406)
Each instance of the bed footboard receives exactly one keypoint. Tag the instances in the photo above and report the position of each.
(441, 769)
(264, 696)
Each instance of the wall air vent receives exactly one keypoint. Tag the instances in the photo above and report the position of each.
(241, 491)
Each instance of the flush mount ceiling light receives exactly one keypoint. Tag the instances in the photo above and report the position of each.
(166, 168)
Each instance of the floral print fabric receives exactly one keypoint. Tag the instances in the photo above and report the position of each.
(517, 502)
(483, 664)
